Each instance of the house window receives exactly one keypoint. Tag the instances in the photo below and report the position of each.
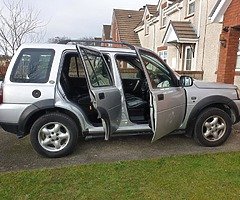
(191, 7)
(164, 20)
(146, 28)
(163, 55)
(238, 58)
(238, 61)
(188, 58)
(116, 35)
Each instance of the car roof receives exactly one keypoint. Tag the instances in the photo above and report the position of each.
(62, 47)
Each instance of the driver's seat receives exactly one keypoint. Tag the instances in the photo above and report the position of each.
(137, 107)
(134, 102)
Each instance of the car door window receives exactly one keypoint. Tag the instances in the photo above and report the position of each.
(97, 68)
(160, 76)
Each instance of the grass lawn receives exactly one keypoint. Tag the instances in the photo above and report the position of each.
(215, 176)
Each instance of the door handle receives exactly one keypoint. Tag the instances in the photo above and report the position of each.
(160, 97)
(101, 96)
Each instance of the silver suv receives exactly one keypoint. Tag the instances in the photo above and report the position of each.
(58, 93)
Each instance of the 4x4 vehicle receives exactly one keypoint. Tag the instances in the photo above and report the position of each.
(60, 92)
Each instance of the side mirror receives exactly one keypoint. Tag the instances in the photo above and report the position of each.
(186, 81)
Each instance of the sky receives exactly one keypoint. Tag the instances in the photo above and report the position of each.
(79, 18)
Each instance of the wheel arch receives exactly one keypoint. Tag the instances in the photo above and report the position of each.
(34, 111)
(221, 102)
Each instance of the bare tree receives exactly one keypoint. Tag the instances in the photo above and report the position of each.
(58, 39)
(18, 24)
(88, 41)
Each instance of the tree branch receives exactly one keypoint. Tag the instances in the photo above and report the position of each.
(18, 25)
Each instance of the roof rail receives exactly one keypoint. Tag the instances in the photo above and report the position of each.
(95, 42)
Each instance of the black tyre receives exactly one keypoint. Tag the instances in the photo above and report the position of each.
(213, 127)
(54, 135)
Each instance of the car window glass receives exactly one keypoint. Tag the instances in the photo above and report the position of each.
(128, 68)
(76, 69)
(160, 76)
(97, 68)
(33, 66)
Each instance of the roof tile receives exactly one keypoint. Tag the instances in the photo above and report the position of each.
(127, 20)
(152, 9)
(184, 29)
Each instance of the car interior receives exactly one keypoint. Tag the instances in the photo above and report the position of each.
(135, 88)
(74, 85)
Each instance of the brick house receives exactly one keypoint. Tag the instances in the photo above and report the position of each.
(123, 25)
(122, 30)
(181, 33)
(227, 12)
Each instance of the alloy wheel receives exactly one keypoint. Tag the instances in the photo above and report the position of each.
(213, 128)
(53, 136)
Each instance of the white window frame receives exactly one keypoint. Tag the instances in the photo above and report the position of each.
(163, 18)
(238, 58)
(163, 55)
(188, 7)
(186, 59)
(147, 27)
(116, 33)
(238, 61)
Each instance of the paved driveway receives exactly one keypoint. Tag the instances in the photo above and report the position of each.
(18, 154)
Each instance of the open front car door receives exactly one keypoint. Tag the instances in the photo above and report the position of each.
(167, 98)
(105, 97)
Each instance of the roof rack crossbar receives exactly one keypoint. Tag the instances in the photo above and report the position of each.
(91, 42)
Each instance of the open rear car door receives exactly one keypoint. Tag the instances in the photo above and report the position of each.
(105, 97)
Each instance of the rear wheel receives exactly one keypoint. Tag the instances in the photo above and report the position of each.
(54, 135)
(213, 127)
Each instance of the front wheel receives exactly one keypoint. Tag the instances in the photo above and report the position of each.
(54, 135)
(213, 127)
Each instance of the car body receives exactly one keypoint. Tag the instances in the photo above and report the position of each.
(60, 92)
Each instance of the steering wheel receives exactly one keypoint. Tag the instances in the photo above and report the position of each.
(163, 81)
